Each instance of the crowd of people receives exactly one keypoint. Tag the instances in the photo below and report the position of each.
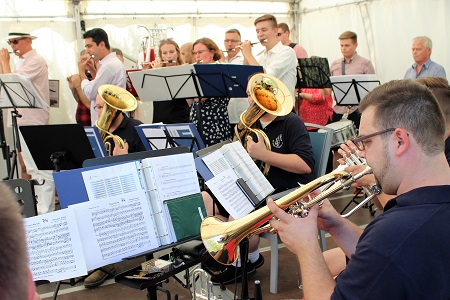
(408, 159)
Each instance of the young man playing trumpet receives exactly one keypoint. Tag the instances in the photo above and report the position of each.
(390, 258)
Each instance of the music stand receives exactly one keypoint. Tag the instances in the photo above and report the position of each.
(312, 72)
(57, 147)
(349, 90)
(16, 91)
(193, 81)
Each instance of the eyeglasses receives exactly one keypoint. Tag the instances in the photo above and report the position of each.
(15, 42)
(199, 52)
(231, 41)
(361, 145)
(98, 107)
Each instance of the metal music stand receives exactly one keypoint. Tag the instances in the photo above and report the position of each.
(57, 147)
(16, 91)
(312, 72)
(351, 89)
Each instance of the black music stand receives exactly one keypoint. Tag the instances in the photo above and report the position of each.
(349, 90)
(57, 147)
(16, 91)
(194, 81)
(312, 72)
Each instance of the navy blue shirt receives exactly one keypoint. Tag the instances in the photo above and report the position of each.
(288, 135)
(405, 252)
(127, 132)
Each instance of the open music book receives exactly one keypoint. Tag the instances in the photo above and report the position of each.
(134, 207)
(234, 178)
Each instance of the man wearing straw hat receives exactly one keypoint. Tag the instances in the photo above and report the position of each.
(32, 65)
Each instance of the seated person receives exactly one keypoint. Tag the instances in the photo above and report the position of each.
(291, 160)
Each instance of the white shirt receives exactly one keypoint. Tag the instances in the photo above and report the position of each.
(236, 105)
(110, 71)
(281, 62)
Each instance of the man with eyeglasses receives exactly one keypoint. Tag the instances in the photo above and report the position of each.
(278, 60)
(283, 37)
(32, 65)
(390, 257)
(234, 56)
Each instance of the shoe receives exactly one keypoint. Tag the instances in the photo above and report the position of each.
(258, 263)
(98, 277)
(231, 274)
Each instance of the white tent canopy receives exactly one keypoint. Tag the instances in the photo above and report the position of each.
(385, 29)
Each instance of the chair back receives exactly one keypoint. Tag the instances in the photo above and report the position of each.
(23, 190)
(321, 143)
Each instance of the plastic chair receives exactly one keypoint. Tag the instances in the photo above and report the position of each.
(321, 143)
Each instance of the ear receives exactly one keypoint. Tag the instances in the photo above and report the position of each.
(402, 140)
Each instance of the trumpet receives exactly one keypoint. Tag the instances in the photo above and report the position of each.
(221, 239)
(206, 287)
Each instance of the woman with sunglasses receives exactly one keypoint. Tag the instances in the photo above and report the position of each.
(210, 115)
(171, 111)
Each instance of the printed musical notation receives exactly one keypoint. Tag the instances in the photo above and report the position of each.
(54, 246)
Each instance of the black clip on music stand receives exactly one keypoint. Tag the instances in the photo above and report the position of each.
(16, 91)
(312, 72)
(57, 147)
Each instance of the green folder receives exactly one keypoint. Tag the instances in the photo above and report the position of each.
(187, 214)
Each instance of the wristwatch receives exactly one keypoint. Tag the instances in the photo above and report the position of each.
(375, 189)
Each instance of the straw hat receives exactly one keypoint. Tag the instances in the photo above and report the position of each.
(17, 31)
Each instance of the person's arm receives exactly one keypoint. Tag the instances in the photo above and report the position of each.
(299, 235)
(75, 80)
(288, 162)
(249, 59)
(4, 61)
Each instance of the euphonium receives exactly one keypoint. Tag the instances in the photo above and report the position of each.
(270, 96)
(116, 100)
(221, 239)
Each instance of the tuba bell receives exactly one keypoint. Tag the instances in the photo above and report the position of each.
(116, 100)
(270, 96)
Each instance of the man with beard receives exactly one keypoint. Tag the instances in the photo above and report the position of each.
(388, 256)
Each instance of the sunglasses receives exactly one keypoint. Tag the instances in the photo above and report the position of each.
(15, 42)
(279, 33)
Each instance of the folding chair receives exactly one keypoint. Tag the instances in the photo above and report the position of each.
(321, 143)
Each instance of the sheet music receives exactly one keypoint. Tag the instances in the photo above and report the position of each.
(156, 137)
(54, 246)
(112, 181)
(115, 228)
(175, 175)
(245, 167)
(231, 197)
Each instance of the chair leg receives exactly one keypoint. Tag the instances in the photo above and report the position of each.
(274, 263)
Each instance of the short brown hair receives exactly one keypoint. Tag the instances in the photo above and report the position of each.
(267, 18)
(349, 35)
(13, 248)
(284, 27)
(441, 90)
(409, 105)
(209, 43)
